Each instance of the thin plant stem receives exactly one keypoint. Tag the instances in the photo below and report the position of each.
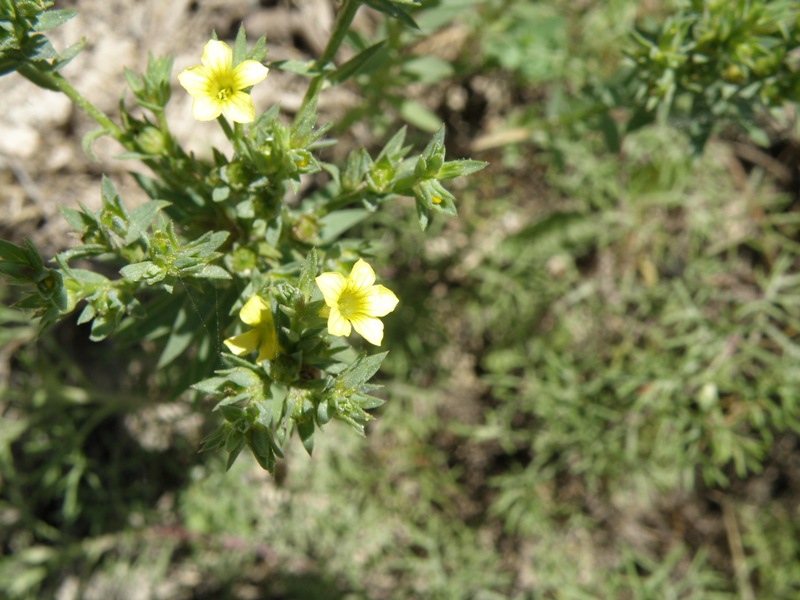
(226, 128)
(59, 83)
(341, 26)
(161, 119)
(235, 134)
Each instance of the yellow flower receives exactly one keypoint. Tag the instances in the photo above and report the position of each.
(354, 300)
(256, 313)
(217, 87)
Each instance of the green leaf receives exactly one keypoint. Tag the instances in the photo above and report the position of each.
(138, 271)
(239, 46)
(232, 414)
(259, 50)
(88, 141)
(87, 314)
(305, 429)
(300, 67)
(420, 117)
(212, 385)
(357, 165)
(267, 461)
(88, 278)
(234, 451)
(389, 7)
(133, 80)
(112, 200)
(68, 54)
(325, 412)
(142, 217)
(394, 150)
(308, 273)
(180, 337)
(428, 69)
(212, 272)
(83, 251)
(221, 193)
(32, 255)
(361, 371)
(356, 64)
(53, 18)
(76, 219)
(209, 242)
(334, 224)
(260, 440)
(460, 168)
(304, 123)
(423, 213)
(12, 253)
(215, 440)
(367, 402)
(244, 378)
(433, 154)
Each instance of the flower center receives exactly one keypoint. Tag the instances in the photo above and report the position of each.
(349, 304)
(224, 93)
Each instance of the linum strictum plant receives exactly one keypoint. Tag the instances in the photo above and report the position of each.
(217, 252)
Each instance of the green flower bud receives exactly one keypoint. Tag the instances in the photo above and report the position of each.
(151, 141)
(380, 176)
(305, 228)
(244, 260)
(733, 74)
(236, 175)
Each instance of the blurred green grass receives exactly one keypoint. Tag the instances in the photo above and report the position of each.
(592, 377)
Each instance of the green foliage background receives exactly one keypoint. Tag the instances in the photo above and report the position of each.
(592, 380)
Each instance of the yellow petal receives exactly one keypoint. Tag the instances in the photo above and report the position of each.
(248, 73)
(362, 276)
(239, 108)
(369, 328)
(217, 57)
(255, 312)
(337, 324)
(195, 80)
(243, 343)
(380, 301)
(206, 108)
(331, 285)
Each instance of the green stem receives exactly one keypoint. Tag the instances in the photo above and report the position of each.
(226, 128)
(234, 134)
(341, 26)
(57, 82)
(341, 201)
(172, 146)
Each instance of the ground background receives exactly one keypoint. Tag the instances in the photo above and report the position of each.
(588, 404)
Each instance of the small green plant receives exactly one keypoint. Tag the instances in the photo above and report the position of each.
(702, 66)
(219, 238)
(712, 62)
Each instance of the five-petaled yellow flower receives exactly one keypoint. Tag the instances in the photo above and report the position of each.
(217, 86)
(355, 300)
(262, 337)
